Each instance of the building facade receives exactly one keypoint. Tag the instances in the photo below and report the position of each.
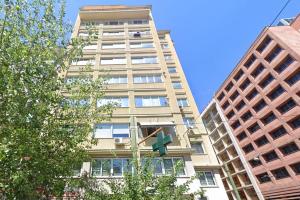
(145, 78)
(260, 102)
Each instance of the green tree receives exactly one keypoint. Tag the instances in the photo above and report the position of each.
(43, 133)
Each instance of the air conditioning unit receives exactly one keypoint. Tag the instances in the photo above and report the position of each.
(119, 141)
(137, 34)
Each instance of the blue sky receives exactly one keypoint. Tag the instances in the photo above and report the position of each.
(225, 29)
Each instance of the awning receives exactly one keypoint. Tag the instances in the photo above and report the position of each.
(154, 124)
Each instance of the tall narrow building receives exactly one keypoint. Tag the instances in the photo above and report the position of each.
(258, 104)
(146, 79)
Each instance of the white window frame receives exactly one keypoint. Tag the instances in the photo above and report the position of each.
(110, 131)
(113, 33)
(172, 72)
(177, 85)
(189, 122)
(118, 100)
(200, 143)
(90, 47)
(213, 176)
(145, 32)
(143, 60)
(150, 78)
(136, 45)
(111, 171)
(84, 61)
(113, 61)
(113, 46)
(151, 101)
(180, 102)
(118, 78)
(134, 22)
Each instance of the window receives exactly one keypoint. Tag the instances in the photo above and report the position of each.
(260, 105)
(150, 101)
(164, 46)
(189, 122)
(276, 92)
(229, 86)
(144, 60)
(245, 117)
(241, 136)
(264, 44)
(245, 84)
(234, 95)
(250, 61)
(168, 57)
(273, 54)
(76, 102)
(113, 33)
(268, 118)
(240, 105)
(269, 78)
(182, 102)
(118, 101)
(113, 61)
(270, 156)
(117, 79)
(114, 23)
(197, 147)
(294, 78)
(263, 178)
(113, 46)
(153, 78)
(90, 47)
(162, 166)
(225, 105)
(134, 45)
(177, 85)
(230, 114)
(278, 132)
(248, 148)
(111, 167)
(296, 168)
(253, 128)
(77, 79)
(280, 173)
(206, 178)
(286, 106)
(258, 70)
(239, 74)
(84, 61)
(236, 124)
(138, 21)
(251, 94)
(255, 162)
(289, 148)
(172, 70)
(287, 61)
(261, 141)
(221, 96)
(295, 123)
(111, 131)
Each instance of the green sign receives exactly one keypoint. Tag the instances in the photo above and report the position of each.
(161, 143)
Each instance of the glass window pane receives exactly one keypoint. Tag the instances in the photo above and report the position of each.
(124, 102)
(138, 102)
(210, 178)
(157, 166)
(168, 164)
(127, 166)
(163, 101)
(137, 79)
(120, 130)
(179, 163)
(103, 131)
(106, 166)
(143, 79)
(96, 168)
(197, 147)
(117, 167)
(202, 178)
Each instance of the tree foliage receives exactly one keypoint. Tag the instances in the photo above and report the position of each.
(43, 135)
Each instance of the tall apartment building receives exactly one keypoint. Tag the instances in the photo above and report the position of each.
(146, 79)
(254, 118)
